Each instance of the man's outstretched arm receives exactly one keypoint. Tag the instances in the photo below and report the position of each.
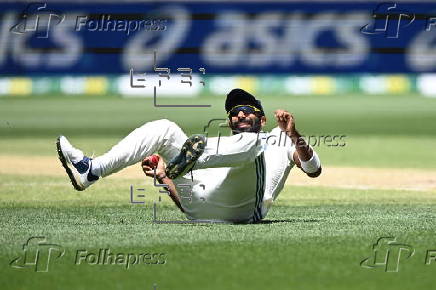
(304, 157)
(162, 179)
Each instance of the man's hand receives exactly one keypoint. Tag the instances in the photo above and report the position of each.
(149, 169)
(286, 122)
(161, 177)
(303, 152)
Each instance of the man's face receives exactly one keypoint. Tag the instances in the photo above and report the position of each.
(244, 119)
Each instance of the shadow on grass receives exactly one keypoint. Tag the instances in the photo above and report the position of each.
(289, 221)
(204, 222)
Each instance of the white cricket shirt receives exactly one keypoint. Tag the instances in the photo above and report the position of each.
(244, 191)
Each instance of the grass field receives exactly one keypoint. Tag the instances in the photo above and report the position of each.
(314, 237)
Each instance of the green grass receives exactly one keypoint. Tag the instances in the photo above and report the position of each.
(316, 236)
(381, 131)
(359, 151)
(316, 239)
(335, 115)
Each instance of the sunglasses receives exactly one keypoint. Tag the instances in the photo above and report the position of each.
(247, 110)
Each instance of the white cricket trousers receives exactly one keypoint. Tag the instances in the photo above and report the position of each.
(167, 138)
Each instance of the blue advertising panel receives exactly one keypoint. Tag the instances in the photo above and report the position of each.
(70, 38)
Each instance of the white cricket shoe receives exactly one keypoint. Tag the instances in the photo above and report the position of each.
(76, 164)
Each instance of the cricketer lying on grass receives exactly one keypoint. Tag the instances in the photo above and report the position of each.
(238, 183)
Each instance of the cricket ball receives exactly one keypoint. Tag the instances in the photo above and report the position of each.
(153, 160)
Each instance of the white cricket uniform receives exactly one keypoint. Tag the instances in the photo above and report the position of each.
(243, 190)
(236, 179)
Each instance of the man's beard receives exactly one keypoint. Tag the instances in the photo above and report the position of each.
(254, 125)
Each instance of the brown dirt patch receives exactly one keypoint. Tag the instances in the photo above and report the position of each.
(360, 178)
(369, 178)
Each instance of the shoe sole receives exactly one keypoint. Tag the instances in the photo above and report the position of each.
(189, 154)
(67, 166)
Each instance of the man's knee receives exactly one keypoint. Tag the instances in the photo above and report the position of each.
(162, 124)
(165, 129)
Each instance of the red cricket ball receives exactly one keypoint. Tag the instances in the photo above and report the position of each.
(153, 161)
